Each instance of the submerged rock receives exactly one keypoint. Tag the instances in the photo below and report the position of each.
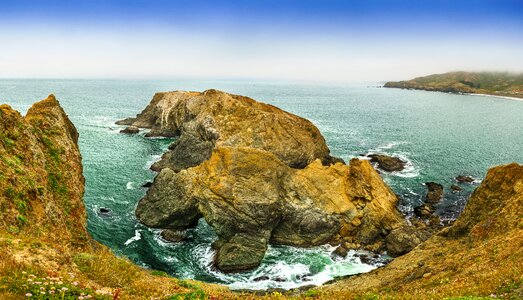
(387, 163)
(203, 121)
(130, 130)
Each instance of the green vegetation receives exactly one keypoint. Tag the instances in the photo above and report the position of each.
(196, 294)
(49, 288)
(499, 84)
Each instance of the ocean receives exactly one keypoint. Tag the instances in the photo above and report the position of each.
(440, 136)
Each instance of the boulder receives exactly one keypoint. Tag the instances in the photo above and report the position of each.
(251, 199)
(130, 130)
(464, 179)
(456, 188)
(424, 211)
(387, 163)
(173, 235)
(148, 184)
(434, 192)
(402, 240)
(203, 121)
(341, 251)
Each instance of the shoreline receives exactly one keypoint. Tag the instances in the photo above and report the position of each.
(495, 96)
(455, 93)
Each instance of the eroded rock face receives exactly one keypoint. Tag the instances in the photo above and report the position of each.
(486, 241)
(203, 121)
(41, 182)
(251, 199)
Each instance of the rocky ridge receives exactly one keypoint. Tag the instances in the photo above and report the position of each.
(41, 181)
(211, 119)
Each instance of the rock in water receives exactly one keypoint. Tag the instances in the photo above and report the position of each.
(456, 188)
(258, 175)
(387, 163)
(341, 251)
(130, 130)
(434, 192)
(203, 121)
(251, 198)
(464, 179)
(173, 235)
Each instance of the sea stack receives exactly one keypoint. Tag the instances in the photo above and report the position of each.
(258, 175)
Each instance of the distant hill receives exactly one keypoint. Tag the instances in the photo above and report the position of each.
(498, 84)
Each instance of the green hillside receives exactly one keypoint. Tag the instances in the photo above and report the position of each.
(492, 83)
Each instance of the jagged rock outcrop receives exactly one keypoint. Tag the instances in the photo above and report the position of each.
(480, 254)
(41, 181)
(251, 199)
(203, 121)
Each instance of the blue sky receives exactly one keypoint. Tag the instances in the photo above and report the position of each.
(328, 40)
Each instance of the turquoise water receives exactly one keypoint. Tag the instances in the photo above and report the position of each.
(440, 135)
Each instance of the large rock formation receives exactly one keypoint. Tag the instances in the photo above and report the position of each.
(41, 181)
(258, 175)
(203, 121)
(251, 198)
(481, 254)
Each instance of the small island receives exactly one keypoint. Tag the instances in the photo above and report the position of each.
(488, 83)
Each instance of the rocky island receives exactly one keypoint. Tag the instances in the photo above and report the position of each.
(258, 175)
(491, 83)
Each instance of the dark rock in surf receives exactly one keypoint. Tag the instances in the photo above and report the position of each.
(456, 188)
(173, 235)
(387, 163)
(261, 278)
(104, 211)
(148, 184)
(130, 130)
(464, 179)
(434, 192)
(341, 251)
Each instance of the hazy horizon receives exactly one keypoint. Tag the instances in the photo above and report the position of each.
(326, 41)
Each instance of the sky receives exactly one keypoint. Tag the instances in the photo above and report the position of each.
(329, 40)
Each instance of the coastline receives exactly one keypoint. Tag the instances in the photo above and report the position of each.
(456, 93)
(495, 96)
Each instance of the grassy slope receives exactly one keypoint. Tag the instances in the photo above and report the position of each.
(481, 254)
(500, 84)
